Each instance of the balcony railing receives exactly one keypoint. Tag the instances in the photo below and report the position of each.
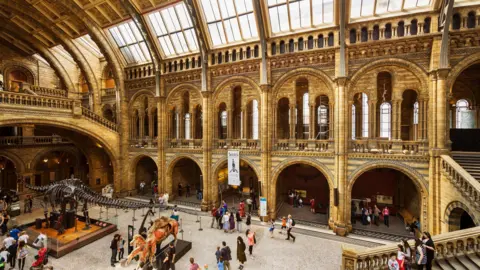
(32, 140)
(108, 91)
(245, 144)
(44, 91)
(447, 246)
(304, 145)
(380, 146)
(185, 143)
(35, 101)
(99, 119)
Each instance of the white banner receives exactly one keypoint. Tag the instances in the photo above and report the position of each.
(234, 168)
(263, 206)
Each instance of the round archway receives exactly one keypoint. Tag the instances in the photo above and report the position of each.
(146, 171)
(57, 165)
(249, 185)
(297, 185)
(459, 219)
(187, 179)
(386, 187)
(8, 174)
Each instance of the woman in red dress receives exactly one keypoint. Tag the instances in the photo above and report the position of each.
(242, 209)
(312, 205)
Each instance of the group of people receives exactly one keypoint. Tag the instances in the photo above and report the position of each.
(118, 248)
(224, 254)
(227, 220)
(421, 255)
(371, 215)
(296, 200)
(14, 250)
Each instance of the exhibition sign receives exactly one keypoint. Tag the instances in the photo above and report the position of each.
(263, 206)
(233, 168)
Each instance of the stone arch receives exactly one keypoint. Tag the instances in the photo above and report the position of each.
(236, 80)
(31, 78)
(69, 150)
(302, 72)
(133, 168)
(308, 161)
(462, 65)
(183, 86)
(452, 219)
(171, 165)
(17, 161)
(417, 179)
(387, 65)
(223, 161)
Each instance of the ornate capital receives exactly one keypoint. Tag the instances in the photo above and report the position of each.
(206, 94)
(442, 74)
(341, 81)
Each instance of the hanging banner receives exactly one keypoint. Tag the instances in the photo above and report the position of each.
(263, 206)
(233, 168)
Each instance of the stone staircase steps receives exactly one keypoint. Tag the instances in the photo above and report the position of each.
(467, 263)
(470, 161)
(475, 259)
(444, 265)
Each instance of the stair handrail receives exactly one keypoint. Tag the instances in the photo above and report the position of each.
(45, 91)
(13, 98)
(377, 257)
(461, 178)
(99, 119)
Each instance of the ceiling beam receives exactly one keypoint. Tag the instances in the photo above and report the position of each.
(263, 42)
(342, 14)
(444, 25)
(141, 23)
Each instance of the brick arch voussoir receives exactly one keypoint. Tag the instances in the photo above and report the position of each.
(31, 78)
(302, 72)
(42, 153)
(235, 80)
(135, 160)
(456, 204)
(17, 161)
(461, 66)
(183, 87)
(308, 161)
(173, 162)
(137, 95)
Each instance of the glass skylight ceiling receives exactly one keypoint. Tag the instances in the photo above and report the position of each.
(365, 8)
(230, 21)
(291, 15)
(174, 30)
(130, 42)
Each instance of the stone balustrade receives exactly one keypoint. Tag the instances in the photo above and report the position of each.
(32, 140)
(380, 146)
(462, 180)
(51, 92)
(99, 119)
(12, 98)
(304, 145)
(108, 91)
(185, 143)
(447, 245)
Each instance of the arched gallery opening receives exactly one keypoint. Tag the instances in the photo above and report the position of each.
(385, 187)
(249, 185)
(8, 174)
(187, 176)
(309, 183)
(464, 112)
(459, 219)
(59, 165)
(146, 171)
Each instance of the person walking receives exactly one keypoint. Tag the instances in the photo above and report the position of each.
(12, 249)
(386, 216)
(226, 255)
(239, 221)
(169, 261)
(175, 214)
(249, 221)
(226, 222)
(121, 247)
(213, 213)
(284, 224)
(193, 264)
(290, 225)
(114, 248)
(241, 257)
(249, 205)
(221, 264)
(420, 254)
(23, 237)
(430, 248)
(272, 227)
(242, 208)
(231, 221)
(312, 205)
(22, 253)
(251, 241)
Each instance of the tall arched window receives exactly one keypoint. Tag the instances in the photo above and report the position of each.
(255, 119)
(322, 121)
(415, 120)
(364, 115)
(223, 124)
(462, 106)
(177, 126)
(187, 126)
(354, 122)
(306, 115)
(385, 120)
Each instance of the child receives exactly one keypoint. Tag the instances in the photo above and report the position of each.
(220, 264)
(272, 227)
(249, 221)
(392, 263)
(218, 254)
(284, 224)
(300, 202)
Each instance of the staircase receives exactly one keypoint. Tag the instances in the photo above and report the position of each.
(470, 161)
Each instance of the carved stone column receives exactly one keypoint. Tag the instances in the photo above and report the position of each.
(193, 117)
(268, 187)
(162, 132)
(210, 185)
(292, 121)
(141, 133)
(372, 115)
(312, 130)
(441, 103)
(396, 119)
(331, 121)
(245, 124)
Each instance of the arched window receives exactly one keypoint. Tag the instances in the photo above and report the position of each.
(177, 125)
(376, 32)
(353, 36)
(330, 39)
(462, 106)
(223, 124)
(306, 115)
(471, 19)
(320, 41)
(255, 119)
(415, 113)
(291, 46)
(255, 51)
(385, 120)
(241, 53)
(310, 42)
(364, 115)
(413, 27)
(234, 55)
(227, 56)
(219, 58)
(282, 47)
(322, 121)
(249, 52)
(274, 48)
(426, 25)
(354, 122)
(187, 126)
(456, 21)
(364, 34)
(300, 44)
(388, 30)
(401, 29)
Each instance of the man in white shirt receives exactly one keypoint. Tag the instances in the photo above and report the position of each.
(41, 241)
(23, 237)
(289, 228)
(165, 197)
(7, 242)
(249, 204)
(4, 254)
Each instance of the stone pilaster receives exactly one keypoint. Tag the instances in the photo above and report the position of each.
(210, 186)
(268, 187)
(161, 141)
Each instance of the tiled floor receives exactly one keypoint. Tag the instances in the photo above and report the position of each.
(308, 252)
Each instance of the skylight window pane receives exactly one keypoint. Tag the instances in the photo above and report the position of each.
(274, 19)
(136, 52)
(211, 10)
(117, 37)
(128, 55)
(176, 44)
(305, 13)
(367, 7)
(227, 8)
(243, 6)
(191, 40)
(136, 32)
(317, 7)
(421, 3)
(253, 25)
(355, 8)
(294, 15)
(327, 11)
(394, 5)
(283, 18)
(167, 46)
(232, 29)
(215, 34)
(183, 42)
(126, 34)
(382, 6)
(183, 16)
(410, 3)
(246, 31)
(145, 51)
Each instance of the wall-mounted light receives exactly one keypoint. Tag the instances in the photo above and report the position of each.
(45, 160)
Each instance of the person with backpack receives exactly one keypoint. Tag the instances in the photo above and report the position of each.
(290, 225)
(226, 255)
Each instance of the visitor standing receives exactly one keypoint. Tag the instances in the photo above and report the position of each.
(193, 264)
(251, 241)
(218, 254)
(114, 248)
(430, 248)
(14, 232)
(231, 221)
(290, 225)
(7, 242)
(249, 221)
(165, 198)
(284, 224)
(254, 200)
(169, 261)
(300, 202)
(40, 258)
(401, 257)
(420, 254)
(187, 194)
(175, 214)
(408, 255)
(22, 253)
(393, 263)
(272, 227)
(6, 218)
(226, 222)
(312, 205)
(4, 256)
(142, 188)
(221, 264)
(226, 255)
(12, 249)
(249, 205)
(121, 247)
(225, 206)
(242, 208)
(23, 237)
(239, 221)
(179, 189)
(376, 214)
(241, 257)
(214, 214)
(353, 213)
(386, 216)
(161, 202)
